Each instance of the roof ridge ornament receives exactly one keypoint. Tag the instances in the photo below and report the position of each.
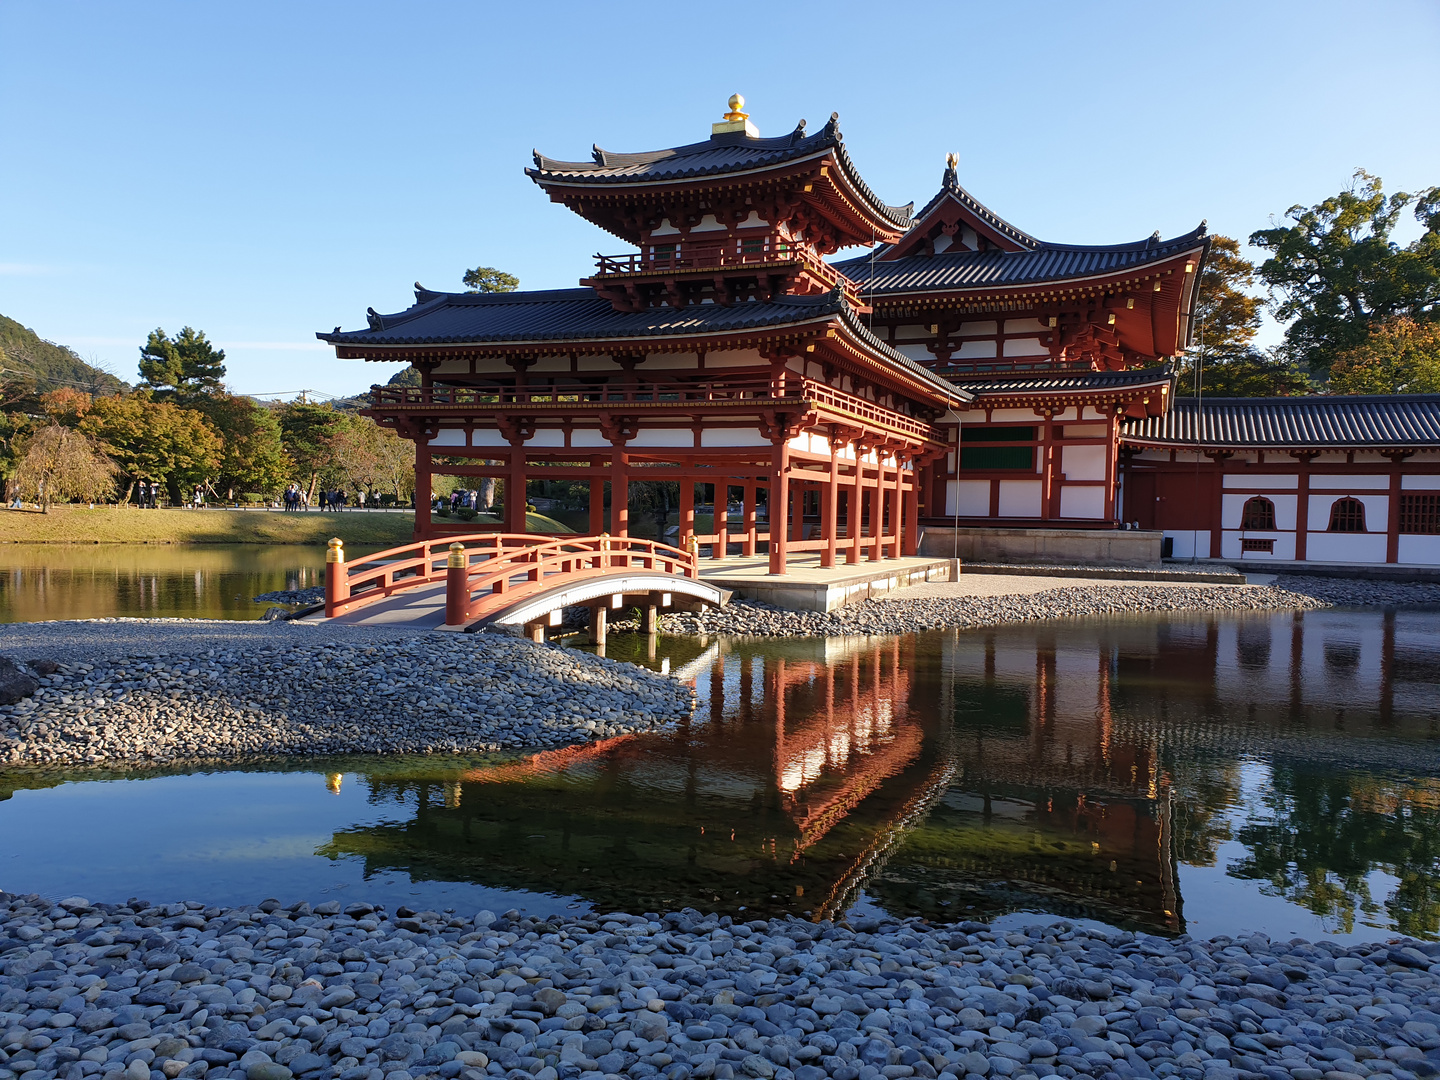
(735, 122)
(951, 178)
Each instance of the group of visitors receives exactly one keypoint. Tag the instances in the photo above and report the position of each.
(147, 495)
(294, 499)
(466, 500)
(333, 500)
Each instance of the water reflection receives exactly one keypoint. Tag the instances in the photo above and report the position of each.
(1192, 773)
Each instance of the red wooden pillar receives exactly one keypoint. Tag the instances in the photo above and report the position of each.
(830, 512)
(911, 545)
(515, 492)
(856, 517)
(877, 511)
(424, 491)
(780, 506)
(687, 510)
(897, 511)
(721, 502)
(1392, 517)
(750, 530)
(597, 502)
(1047, 475)
(619, 493)
(1302, 506)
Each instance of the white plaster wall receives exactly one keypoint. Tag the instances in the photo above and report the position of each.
(912, 332)
(1232, 509)
(968, 498)
(1375, 519)
(1021, 326)
(1284, 544)
(918, 353)
(975, 349)
(1086, 431)
(1187, 542)
(1082, 502)
(1006, 416)
(708, 224)
(1421, 550)
(1020, 498)
(449, 437)
(547, 437)
(1025, 347)
(1262, 481)
(735, 358)
(731, 437)
(1083, 462)
(754, 221)
(1420, 483)
(1090, 413)
(1346, 547)
(590, 440)
(453, 367)
(1350, 482)
(977, 329)
(663, 437)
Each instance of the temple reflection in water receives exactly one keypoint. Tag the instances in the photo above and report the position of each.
(1070, 768)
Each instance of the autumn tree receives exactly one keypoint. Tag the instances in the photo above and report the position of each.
(183, 367)
(1334, 273)
(252, 457)
(154, 440)
(308, 432)
(59, 464)
(66, 405)
(1400, 356)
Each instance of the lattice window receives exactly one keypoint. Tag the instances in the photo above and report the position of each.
(997, 457)
(1347, 515)
(1258, 515)
(1420, 513)
(1251, 543)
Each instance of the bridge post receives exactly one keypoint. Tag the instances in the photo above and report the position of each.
(598, 615)
(651, 623)
(337, 583)
(457, 585)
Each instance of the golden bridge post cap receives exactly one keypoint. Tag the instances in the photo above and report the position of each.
(335, 550)
(457, 555)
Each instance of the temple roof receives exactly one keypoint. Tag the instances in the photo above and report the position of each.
(723, 154)
(1061, 382)
(1045, 262)
(559, 315)
(1378, 422)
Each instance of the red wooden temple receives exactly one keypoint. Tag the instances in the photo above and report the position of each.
(960, 371)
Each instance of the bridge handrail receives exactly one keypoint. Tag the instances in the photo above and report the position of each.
(588, 555)
(387, 571)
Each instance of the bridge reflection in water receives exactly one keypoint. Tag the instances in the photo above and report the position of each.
(1077, 769)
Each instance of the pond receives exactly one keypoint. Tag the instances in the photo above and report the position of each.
(178, 581)
(1187, 774)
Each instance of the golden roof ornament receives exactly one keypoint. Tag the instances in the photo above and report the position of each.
(735, 120)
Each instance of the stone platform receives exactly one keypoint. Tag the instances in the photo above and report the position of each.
(1030, 546)
(806, 587)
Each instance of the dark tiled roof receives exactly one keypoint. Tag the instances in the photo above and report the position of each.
(1347, 422)
(579, 315)
(950, 188)
(732, 152)
(993, 269)
(1025, 383)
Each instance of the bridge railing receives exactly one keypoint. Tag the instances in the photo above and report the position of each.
(502, 558)
(380, 574)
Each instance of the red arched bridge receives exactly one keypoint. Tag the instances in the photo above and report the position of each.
(512, 580)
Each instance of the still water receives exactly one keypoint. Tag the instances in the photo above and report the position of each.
(1192, 773)
(149, 581)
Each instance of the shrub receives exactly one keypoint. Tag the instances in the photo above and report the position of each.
(468, 513)
(387, 500)
(443, 510)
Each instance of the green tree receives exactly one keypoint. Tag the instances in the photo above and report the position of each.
(308, 432)
(1226, 316)
(1401, 356)
(252, 457)
(183, 367)
(154, 440)
(1335, 273)
(487, 279)
(1249, 373)
(59, 464)
(27, 354)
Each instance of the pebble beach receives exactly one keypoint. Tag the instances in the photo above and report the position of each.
(270, 992)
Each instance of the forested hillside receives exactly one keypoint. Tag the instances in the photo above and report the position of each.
(24, 353)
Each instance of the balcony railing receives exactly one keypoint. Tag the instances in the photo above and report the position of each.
(761, 391)
(723, 255)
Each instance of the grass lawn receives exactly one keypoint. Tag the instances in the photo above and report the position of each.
(129, 525)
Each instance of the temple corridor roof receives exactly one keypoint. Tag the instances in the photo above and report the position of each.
(1344, 422)
(1063, 381)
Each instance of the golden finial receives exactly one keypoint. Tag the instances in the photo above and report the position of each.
(735, 120)
(737, 102)
(952, 159)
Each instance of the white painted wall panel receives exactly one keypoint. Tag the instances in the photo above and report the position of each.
(1021, 326)
(663, 437)
(448, 437)
(1345, 547)
(918, 353)
(1082, 502)
(1083, 462)
(1020, 498)
(732, 437)
(975, 349)
(1419, 550)
(912, 332)
(1025, 347)
(968, 498)
(1420, 483)
(1187, 543)
(590, 440)
(547, 437)
(487, 437)
(977, 329)
(1350, 482)
(1263, 481)
(1284, 545)
(1232, 509)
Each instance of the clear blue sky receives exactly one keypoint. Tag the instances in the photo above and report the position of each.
(264, 170)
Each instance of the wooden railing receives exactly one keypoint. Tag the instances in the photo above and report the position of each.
(478, 575)
(723, 255)
(374, 577)
(789, 389)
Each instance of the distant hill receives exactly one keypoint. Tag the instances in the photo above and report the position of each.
(53, 366)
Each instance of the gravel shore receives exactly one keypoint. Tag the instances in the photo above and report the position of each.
(927, 611)
(142, 992)
(301, 693)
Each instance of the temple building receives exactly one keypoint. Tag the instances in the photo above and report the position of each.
(958, 373)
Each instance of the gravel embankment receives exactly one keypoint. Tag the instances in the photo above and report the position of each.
(293, 694)
(1361, 592)
(928, 612)
(268, 993)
